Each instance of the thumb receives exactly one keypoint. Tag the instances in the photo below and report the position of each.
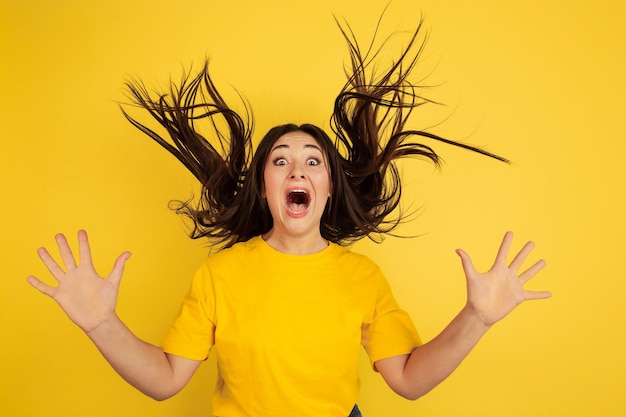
(43, 288)
(466, 262)
(118, 268)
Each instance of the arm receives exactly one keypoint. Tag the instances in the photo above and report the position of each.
(89, 300)
(490, 297)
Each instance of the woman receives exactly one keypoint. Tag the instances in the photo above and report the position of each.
(284, 303)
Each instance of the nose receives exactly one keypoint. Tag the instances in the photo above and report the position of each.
(296, 172)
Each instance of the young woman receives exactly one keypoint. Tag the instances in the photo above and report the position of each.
(284, 303)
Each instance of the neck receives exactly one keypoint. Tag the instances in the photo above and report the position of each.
(295, 245)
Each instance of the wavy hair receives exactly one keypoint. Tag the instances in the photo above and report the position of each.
(369, 135)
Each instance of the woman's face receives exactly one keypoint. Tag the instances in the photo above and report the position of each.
(296, 184)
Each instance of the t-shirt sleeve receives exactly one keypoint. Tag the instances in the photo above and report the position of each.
(390, 332)
(192, 334)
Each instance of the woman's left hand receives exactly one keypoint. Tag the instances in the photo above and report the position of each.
(495, 293)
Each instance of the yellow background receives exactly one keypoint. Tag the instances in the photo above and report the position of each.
(541, 82)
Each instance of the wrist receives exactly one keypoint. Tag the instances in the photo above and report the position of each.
(102, 326)
(475, 318)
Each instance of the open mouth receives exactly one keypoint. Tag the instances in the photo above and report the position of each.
(298, 201)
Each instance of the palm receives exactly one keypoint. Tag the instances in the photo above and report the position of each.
(87, 298)
(495, 293)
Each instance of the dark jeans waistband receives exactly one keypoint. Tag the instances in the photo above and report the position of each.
(355, 412)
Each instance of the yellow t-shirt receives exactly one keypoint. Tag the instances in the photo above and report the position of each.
(287, 329)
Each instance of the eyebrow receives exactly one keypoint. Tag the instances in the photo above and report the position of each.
(286, 146)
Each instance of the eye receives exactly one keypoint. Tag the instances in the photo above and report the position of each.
(313, 161)
(280, 161)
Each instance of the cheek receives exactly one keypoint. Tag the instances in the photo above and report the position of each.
(267, 182)
(324, 183)
(269, 186)
(330, 185)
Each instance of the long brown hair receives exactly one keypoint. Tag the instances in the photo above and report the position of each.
(368, 125)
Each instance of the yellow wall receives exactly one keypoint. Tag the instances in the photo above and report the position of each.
(541, 82)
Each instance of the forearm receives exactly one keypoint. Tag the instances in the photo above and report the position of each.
(143, 365)
(491, 296)
(430, 364)
(89, 300)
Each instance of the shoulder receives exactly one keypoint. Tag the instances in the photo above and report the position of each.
(349, 255)
(357, 265)
(238, 250)
(237, 256)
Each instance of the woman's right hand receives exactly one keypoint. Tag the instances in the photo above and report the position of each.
(87, 298)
